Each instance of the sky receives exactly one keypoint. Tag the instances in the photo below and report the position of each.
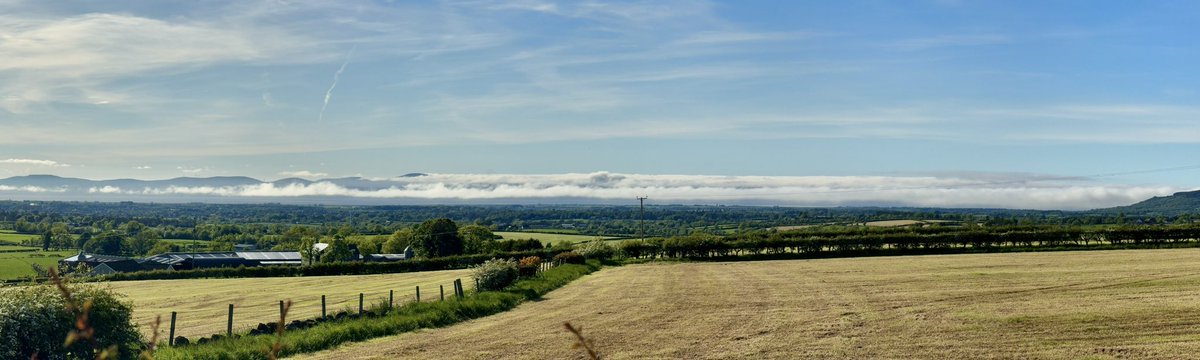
(1071, 104)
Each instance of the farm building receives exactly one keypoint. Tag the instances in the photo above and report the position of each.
(408, 254)
(187, 261)
(95, 261)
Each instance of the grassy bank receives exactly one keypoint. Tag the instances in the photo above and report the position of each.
(398, 320)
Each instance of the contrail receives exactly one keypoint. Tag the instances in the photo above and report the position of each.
(336, 75)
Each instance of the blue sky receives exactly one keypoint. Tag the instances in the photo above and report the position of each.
(270, 89)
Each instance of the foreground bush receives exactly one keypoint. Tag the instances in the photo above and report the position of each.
(528, 266)
(34, 320)
(596, 249)
(495, 274)
(569, 257)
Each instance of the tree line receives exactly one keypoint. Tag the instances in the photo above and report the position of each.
(819, 243)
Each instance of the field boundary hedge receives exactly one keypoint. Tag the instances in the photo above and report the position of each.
(806, 245)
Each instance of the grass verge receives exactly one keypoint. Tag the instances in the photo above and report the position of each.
(398, 320)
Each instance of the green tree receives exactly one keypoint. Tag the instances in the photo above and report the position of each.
(140, 243)
(162, 247)
(398, 241)
(107, 243)
(132, 228)
(370, 244)
(308, 250)
(476, 238)
(83, 239)
(338, 251)
(437, 238)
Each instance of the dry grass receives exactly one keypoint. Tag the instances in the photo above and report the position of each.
(202, 304)
(1097, 305)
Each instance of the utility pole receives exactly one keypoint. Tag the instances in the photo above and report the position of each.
(642, 207)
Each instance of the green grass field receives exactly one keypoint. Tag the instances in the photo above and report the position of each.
(11, 237)
(17, 264)
(549, 238)
(4, 247)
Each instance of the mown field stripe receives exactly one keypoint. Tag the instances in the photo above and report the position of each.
(403, 319)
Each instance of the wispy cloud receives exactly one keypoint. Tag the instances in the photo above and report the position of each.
(190, 170)
(303, 174)
(336, 75)
(37, 162)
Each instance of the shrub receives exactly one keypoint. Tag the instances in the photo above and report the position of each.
(496, 274)
(569, 257)
(35, 320)
(596, 249)
(528, 266)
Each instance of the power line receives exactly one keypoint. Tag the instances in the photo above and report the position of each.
(642, 207)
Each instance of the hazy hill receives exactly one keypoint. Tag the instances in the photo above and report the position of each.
(1173, 205)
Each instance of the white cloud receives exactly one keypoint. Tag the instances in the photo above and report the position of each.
(30, 189)
(303, 174)
(105, 190)
(143, 167)
(1033, 192)
(51, 163)
(189, 170)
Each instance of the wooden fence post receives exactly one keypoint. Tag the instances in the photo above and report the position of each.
(171, 340)
(442, 292)
(229, 324)
(476, 284)
(418, 293)
(322, 306)
(281, 309)
(360, 304)
(391, 298)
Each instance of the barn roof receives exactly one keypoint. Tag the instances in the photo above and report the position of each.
(260, 257)
(94, 258)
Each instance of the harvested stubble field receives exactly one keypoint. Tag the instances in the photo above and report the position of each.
(202, 304)
(1060, 305)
